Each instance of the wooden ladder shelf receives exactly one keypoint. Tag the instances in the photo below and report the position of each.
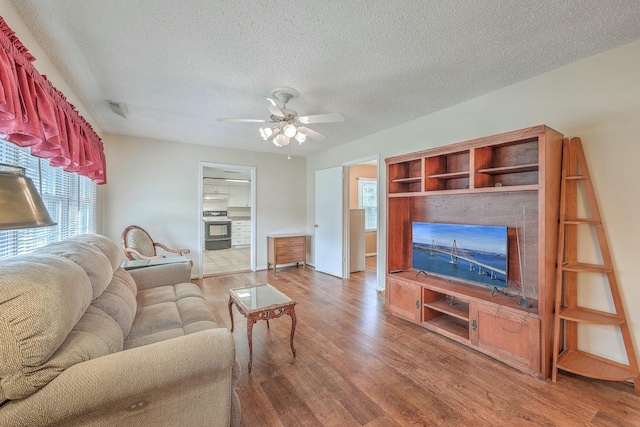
(575, 175)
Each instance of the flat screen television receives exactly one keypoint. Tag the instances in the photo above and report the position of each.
(469, 253)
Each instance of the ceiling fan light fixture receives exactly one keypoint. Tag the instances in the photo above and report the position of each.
(281, 140)
(290, 130)
(301, 137)
(265, 133)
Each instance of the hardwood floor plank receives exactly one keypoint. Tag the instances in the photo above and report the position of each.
(357, 366)
(292, 410)
(322, 403)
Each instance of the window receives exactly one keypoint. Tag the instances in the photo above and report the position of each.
(368, 200)
(69, 198)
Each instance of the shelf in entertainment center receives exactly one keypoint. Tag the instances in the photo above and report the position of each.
(403, 180)
(464, 291)
(513, 188)
(459, 309)
(449, 175)
(449, 326)
(531, 167)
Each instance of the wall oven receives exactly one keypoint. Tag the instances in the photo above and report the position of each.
(217, 230)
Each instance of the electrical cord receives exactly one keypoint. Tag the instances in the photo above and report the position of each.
(524, 319)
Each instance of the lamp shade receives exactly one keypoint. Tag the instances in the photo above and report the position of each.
(20, 203)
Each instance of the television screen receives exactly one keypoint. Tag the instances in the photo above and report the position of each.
(472, 253)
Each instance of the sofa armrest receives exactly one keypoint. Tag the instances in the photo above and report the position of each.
(181, 381)
(161, 275)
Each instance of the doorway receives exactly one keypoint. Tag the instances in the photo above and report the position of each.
(227, 202)
(363, 217)
(332, 221)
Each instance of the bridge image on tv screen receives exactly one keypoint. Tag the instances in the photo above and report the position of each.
(472, 253)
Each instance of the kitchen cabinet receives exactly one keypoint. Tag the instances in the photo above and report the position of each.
(239, 197)
(215, 189)
(240, 233)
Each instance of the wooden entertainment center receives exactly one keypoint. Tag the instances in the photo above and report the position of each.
(513, 180)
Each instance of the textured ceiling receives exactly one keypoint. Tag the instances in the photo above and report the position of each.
(179, 65)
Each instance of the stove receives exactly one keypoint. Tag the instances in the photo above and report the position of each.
(217, 230)
(214, 215)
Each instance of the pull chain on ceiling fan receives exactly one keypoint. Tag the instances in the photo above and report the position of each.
(286, 122)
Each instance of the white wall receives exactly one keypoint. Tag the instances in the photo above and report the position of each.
(597, 99)
(155, 184)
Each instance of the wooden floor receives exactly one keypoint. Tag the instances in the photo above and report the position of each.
(356, 366)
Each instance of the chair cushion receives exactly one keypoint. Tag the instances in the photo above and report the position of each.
(139, 240)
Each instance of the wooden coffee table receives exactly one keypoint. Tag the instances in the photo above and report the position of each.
(263, 302)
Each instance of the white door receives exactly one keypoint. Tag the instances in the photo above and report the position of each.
(328, 222)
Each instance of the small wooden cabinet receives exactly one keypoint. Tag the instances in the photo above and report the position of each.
(404, 299)
(286, 249)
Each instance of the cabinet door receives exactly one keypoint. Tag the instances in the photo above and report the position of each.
(216, 189)
(509, 336)
(404, 299)
(239, 196)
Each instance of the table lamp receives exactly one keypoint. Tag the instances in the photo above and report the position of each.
(20, 204)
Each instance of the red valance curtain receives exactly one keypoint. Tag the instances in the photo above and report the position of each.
(35, 114)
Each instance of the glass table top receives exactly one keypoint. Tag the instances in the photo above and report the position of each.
(257, 297)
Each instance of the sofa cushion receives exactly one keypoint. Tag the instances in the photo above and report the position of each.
(104, 244)
(118, 301)
(42, 297)
(169, 312)
(95, 263)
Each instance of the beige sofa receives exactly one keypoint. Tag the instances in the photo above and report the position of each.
(84, 342)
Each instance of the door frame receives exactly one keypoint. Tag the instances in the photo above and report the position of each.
(345, 218)
(252, 197)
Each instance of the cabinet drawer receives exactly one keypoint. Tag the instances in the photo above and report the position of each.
(245, 223)
(287, 258)
(297, 251)
(243, 233)
(290, 241)
(240, 228)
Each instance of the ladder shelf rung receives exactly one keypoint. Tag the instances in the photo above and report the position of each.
(588, 365)
(576, 177)
(587, 315)
(581, 267)
(582, 221)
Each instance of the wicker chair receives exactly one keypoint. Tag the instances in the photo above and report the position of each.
(137, 244)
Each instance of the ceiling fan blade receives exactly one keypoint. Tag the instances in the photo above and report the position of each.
(322, 118)
(274, 109)
(312, 133)
(244, 120)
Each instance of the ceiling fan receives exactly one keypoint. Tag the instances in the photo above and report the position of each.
(286, 123)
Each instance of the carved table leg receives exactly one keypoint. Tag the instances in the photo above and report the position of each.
(292, 312)
(231, 312)
(250, 321)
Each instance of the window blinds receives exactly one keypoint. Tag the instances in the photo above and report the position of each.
(69, 198)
